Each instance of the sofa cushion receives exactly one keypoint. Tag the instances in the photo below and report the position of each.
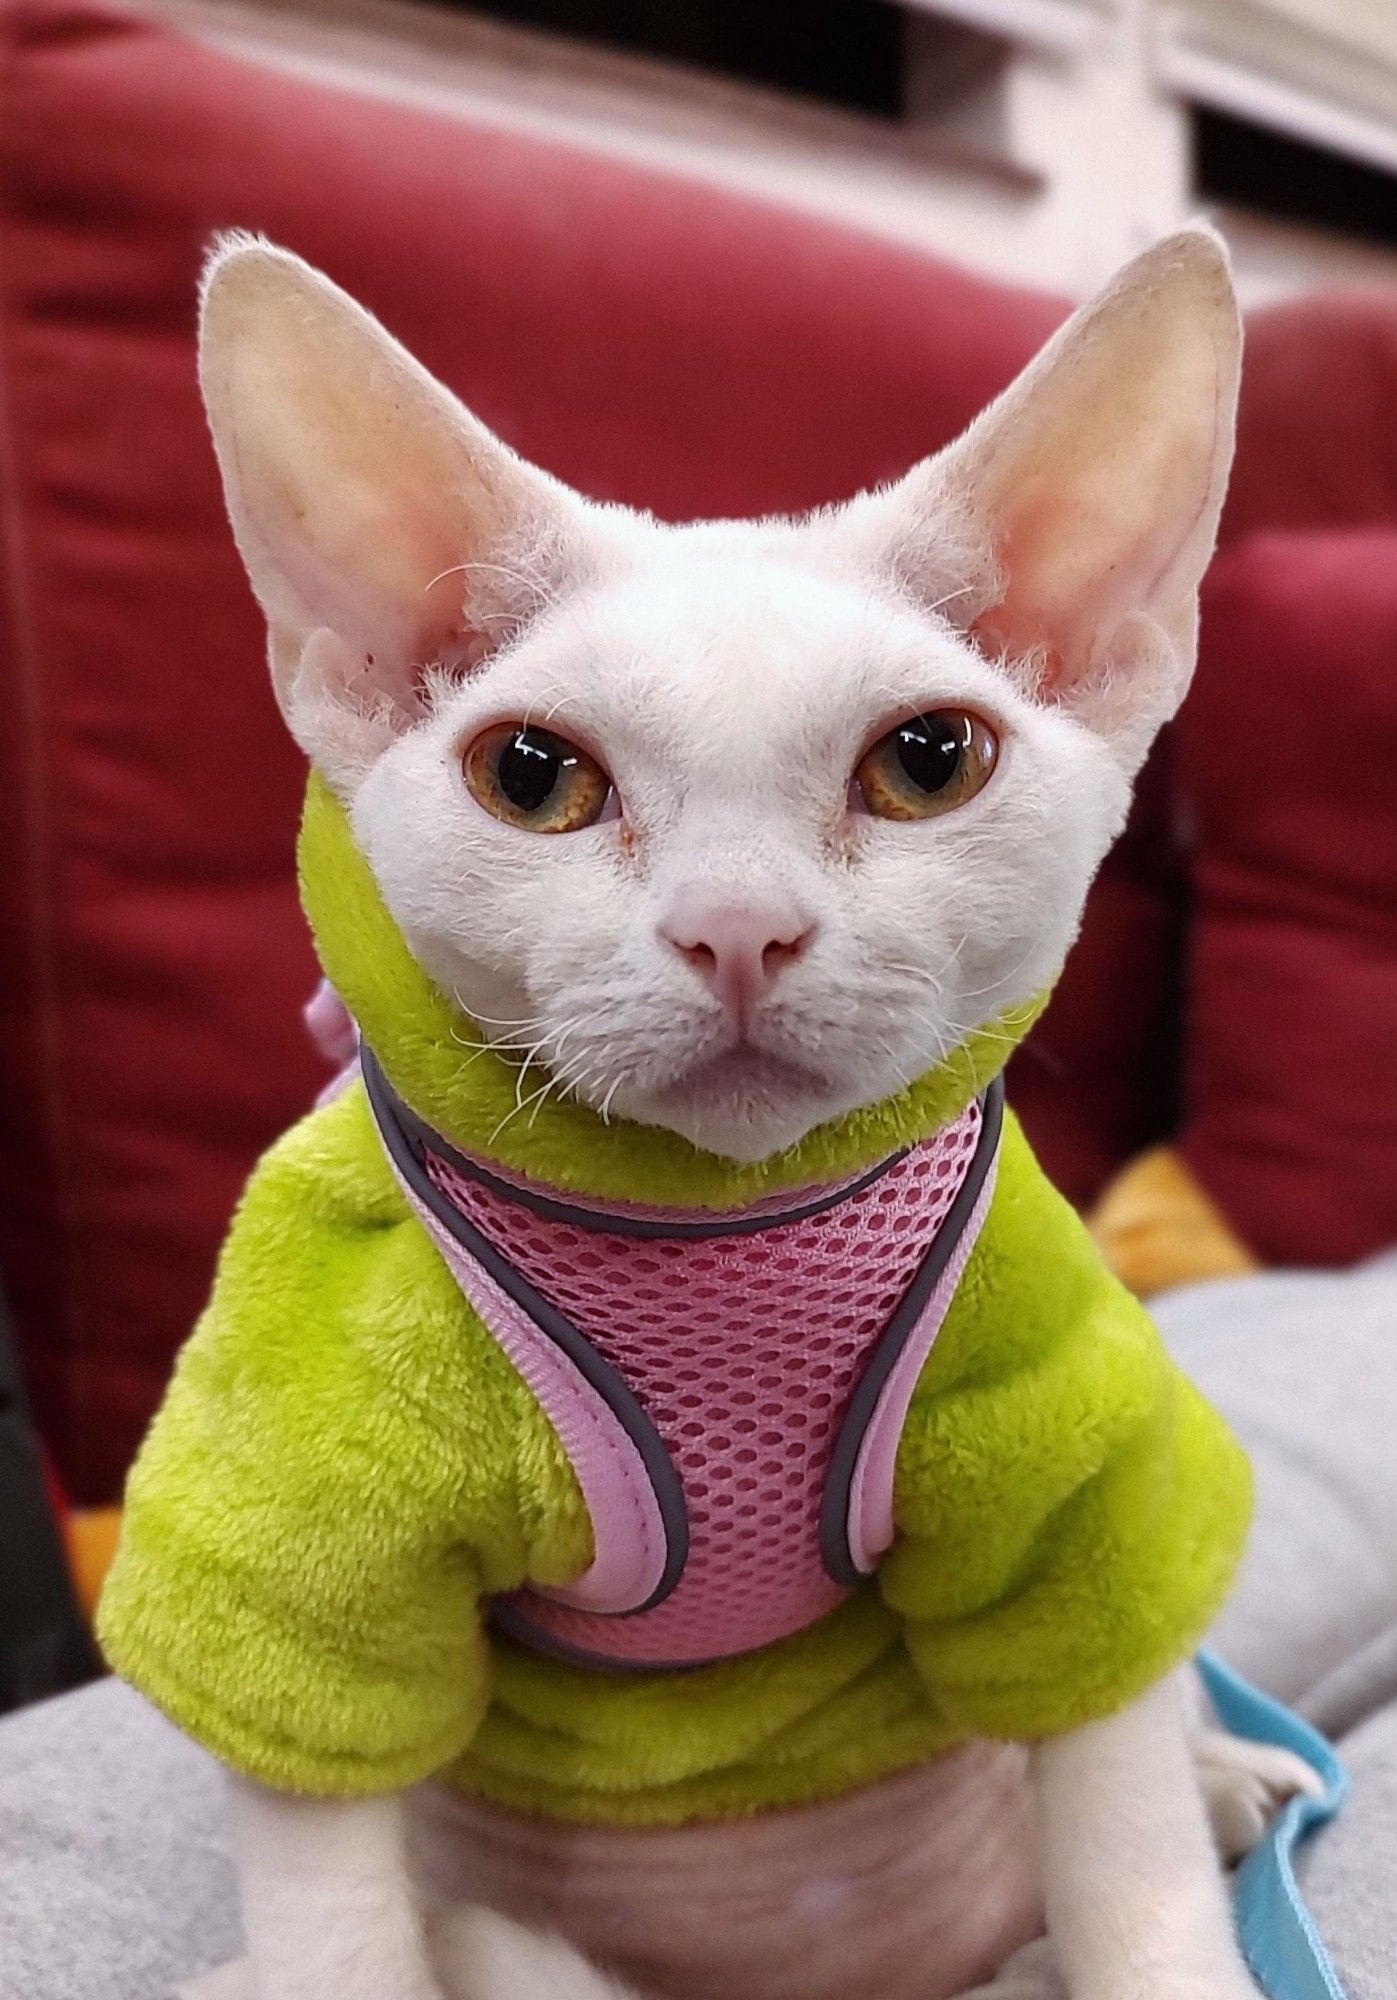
(1286, 753)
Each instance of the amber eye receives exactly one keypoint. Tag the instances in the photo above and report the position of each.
(534, 779)
(928, 765)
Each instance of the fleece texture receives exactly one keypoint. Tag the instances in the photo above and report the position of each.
(116, 1884)
(346, 1468)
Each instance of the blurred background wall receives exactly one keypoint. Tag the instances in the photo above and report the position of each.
(1038, 140)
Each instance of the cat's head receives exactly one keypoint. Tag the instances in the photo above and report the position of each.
(742, 825)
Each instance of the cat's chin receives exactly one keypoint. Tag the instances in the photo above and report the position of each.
(743, 1105)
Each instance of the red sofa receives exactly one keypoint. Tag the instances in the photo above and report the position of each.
(651, 339)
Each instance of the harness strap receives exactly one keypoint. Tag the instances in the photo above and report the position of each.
(1282, 1945)
(618, 1221)
(404, 1148)
(632, 1481)
(878, 1408)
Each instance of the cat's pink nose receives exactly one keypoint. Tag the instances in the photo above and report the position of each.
(737, 948)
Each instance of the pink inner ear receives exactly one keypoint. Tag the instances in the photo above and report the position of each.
(1027, 622)
(365, 676)
(357, 678)
(1072, 574)
(998, 631)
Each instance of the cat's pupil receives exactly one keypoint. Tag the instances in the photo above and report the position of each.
(530, 765)
(929, 749)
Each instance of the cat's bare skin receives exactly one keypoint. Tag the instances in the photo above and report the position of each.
(1134, 1895)
(422, 584)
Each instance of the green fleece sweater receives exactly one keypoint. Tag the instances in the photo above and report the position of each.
(346, 1466)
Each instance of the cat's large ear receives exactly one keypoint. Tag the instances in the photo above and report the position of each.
(360, 492)
(1093, 487)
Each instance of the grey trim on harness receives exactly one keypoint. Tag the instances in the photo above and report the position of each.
(423, 1135)
(404, 1151)
(408, 1137)
(839, 1480)
(508, 1615)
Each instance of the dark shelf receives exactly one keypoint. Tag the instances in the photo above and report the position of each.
(845, 52)
(1274, 175)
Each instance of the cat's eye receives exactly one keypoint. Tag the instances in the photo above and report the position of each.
(535, 779)
(928, 765)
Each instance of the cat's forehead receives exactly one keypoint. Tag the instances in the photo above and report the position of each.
(739, 647)
(710, 616)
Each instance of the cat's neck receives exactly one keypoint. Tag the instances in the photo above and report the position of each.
(441, 1067)
(411, 1137)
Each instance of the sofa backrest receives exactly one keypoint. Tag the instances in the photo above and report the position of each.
(1285, 802)
(648, 338)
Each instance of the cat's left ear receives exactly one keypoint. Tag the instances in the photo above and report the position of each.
(1093, 488)
(366, 501)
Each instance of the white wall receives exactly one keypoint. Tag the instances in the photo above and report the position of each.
(1045, 159)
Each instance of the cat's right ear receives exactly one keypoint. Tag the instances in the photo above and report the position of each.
(1084, 503)
(364, 500)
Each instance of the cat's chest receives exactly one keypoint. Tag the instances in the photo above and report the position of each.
(730, 1391)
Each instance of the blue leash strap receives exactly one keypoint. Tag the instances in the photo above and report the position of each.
(1283, 1948)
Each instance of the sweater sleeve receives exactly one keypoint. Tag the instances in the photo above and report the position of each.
(343, 1465)
(1070, 1511)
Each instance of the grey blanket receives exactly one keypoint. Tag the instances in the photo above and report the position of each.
(115, 1885)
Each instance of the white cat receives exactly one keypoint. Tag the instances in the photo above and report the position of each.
(779, 899)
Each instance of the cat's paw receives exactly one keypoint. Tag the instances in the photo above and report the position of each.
(1220, 1975)
(239, 1981)
(1231, 1983)
(480, 1955)
(1033, 1973)
(1245, 1784)
(1209, 1986)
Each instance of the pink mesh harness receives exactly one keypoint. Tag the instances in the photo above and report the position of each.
(729, 1388)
